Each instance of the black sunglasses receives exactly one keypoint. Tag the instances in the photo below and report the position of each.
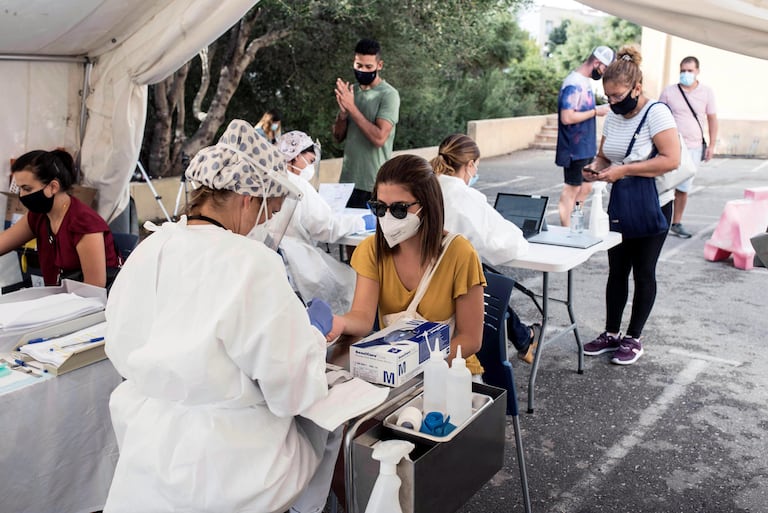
(399, 209)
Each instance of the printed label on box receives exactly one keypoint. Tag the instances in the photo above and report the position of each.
(397, 353)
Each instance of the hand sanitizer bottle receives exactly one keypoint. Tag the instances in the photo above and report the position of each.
(577, 218)
(385, 494)
(435, 371)
(458, 389)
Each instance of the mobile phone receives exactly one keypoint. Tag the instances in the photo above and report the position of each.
(590, 170)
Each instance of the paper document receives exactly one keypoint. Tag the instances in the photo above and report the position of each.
(56, 351)
(33, 313)
(336, 194)
(345, 401)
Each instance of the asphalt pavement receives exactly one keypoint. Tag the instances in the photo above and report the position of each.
(682, 430)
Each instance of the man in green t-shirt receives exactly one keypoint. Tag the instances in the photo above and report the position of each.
(368, 113)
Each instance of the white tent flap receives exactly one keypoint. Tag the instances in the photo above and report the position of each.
(740, 26)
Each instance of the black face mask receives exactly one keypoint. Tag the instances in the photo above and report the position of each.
(626, 105)
(364, 78)
(596, 75)
(37, 202)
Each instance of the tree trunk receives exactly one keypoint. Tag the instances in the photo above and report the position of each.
(169, 143)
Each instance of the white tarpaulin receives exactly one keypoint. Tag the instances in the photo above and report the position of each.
(131, 43)
(739, 26)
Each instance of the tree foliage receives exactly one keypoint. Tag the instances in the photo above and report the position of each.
(452, 61)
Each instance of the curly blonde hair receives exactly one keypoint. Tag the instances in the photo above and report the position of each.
(626, 68)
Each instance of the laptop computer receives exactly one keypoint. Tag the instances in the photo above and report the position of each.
(527, 213)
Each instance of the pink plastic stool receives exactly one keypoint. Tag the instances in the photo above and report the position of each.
(740, 220)
(756, 193)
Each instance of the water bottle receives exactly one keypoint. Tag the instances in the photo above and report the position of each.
(577, 218)
(458, 388)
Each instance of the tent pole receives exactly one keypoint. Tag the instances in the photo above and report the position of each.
(46, 58)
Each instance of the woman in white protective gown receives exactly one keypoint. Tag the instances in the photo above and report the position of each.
(218, 354)
(314, 272)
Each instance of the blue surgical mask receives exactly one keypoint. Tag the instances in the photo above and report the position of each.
(687, 78)
(274, 127)
(473, 179)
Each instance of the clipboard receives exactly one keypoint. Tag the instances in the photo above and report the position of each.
(77, 358)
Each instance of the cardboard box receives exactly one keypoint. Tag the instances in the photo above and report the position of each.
(397, 353)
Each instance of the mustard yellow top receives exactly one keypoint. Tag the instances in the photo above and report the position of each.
(459, 271)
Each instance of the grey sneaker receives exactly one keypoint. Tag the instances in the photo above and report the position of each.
(629, 351)
(604, 343)
(680, 231)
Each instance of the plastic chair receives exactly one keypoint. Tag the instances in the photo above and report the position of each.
(495, 360)
(125, 243)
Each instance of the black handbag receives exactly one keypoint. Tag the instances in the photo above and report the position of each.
(633, 208)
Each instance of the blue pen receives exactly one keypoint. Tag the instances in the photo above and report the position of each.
(20, 362)
(89, 341)
(38, 340)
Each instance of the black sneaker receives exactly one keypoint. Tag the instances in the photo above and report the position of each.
(680, 231)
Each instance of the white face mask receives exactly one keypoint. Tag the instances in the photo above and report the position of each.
(308, 172)
(397, 230)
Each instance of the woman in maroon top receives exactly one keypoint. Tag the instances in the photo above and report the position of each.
(71, 237)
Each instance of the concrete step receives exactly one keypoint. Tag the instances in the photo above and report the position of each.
(543, 146)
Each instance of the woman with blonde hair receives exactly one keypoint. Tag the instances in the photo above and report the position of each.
(270, 125)
(639, 142)
(467, 212)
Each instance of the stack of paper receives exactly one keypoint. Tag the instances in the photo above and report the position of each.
(33, 313)
(56, 351)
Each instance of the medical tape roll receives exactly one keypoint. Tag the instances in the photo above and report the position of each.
(410, 418)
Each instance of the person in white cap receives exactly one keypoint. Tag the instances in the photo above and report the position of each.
(218, 354)
(314, 272)
(577, 128)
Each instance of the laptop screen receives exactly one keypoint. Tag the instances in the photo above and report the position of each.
(526, 211)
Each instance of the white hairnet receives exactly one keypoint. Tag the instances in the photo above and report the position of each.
(292, 143)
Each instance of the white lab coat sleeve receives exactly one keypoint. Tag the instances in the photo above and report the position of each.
(269, 337)
(467, 212)
(322, 224)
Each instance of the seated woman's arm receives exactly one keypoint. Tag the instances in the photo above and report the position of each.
(15, 236)
(469, 323)
(93, 261)
(359, 320)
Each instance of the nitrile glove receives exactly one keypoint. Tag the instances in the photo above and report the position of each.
(370, 222)
(320, 315)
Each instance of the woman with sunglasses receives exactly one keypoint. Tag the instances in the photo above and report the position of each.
(624, 152)
(315, 273)
(496, 240)
(409, 237)
(73, 241)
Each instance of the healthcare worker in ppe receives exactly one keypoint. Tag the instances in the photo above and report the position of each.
(313, 271)
(467, 212)
(218, 354)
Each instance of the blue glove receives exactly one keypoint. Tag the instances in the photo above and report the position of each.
(320, 315)
(436, 425)
(370, 222)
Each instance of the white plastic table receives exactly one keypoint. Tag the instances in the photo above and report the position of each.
(553, 259)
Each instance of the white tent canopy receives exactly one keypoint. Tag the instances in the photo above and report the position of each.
(44, 48)
(739, 26)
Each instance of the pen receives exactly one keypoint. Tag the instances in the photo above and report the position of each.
(20, 362)
(89, 341)
(38, 340)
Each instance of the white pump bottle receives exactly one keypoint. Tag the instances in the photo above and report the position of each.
(435, 371)
(458, 389)
(385, 494)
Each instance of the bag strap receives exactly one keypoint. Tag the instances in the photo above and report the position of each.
(693, 112)
(424, 283)
(637, 131)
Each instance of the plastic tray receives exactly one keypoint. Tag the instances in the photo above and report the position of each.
(479, 403)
